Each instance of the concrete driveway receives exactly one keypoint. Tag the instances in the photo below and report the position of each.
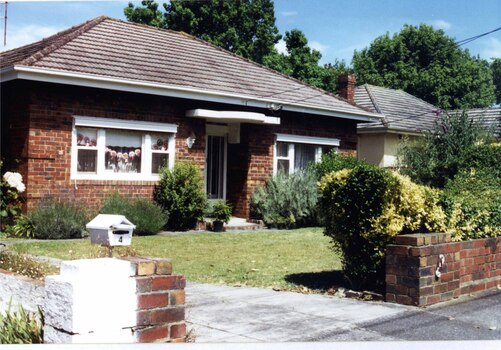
(240, 314)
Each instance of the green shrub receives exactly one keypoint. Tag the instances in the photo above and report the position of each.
(21, 327)
(287, 200)
(148, 217)
(23, 228)
(472, 201)
(334, 161)
(483, 156)
(365, 208)
(220, 210)
(180, 193)
(450, 147)
(58, 220)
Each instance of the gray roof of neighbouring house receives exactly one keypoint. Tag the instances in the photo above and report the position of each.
(110, 53)
(402, 111)
(409, 114)
(488, 117)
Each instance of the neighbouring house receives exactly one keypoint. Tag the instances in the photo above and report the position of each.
(102, 106)
(403, 115)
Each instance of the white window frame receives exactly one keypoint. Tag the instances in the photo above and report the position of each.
(291, 140)
(103, 124)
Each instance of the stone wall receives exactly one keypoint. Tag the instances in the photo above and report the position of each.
(128, 300)
(424, 269)
(20, 290)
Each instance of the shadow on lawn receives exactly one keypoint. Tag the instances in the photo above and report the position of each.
(322, 281)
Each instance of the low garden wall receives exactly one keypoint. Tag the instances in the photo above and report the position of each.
(128, 300)
(20, 290)
(424, 269)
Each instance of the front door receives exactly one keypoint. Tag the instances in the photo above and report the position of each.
(215, 165)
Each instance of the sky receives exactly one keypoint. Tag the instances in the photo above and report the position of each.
(334, 27)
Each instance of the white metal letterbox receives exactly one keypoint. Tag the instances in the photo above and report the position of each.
(110, 230)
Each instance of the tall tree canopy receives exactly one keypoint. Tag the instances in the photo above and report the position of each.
(245, 27)
(428, 64)
(496, 77)
(302, 62)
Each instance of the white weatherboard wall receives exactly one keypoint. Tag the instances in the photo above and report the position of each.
(91, 301)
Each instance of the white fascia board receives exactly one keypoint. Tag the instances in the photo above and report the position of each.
(233, 116)
(323, 141)
(101, 82)
(124, 124)
(385, 130)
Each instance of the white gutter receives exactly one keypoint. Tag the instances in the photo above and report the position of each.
(95, 81)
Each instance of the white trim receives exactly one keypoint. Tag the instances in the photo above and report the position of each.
(91, 80)
(233, 116)
(146, 158)
(123, 124)
(318, 142)
(322, 141)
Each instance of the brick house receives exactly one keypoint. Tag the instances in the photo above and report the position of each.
(102, 106)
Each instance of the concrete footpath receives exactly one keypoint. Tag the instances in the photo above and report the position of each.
(241, 314)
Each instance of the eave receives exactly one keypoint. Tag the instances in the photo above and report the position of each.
(145, 87)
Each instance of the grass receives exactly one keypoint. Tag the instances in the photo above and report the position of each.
(285, 259)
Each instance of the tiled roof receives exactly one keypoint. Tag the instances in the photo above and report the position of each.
(408, 113)
(401, 110)
(489, 117)
(106, 47)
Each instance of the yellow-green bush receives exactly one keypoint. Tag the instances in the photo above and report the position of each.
(472, 201)
(364, 208)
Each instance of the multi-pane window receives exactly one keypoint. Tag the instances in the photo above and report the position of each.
(294, 153)
(114, 149)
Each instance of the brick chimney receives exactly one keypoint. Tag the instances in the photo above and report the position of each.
(347, 86)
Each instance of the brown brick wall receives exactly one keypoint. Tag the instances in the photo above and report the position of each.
(37, 122)
(160, 315)
(411, 263)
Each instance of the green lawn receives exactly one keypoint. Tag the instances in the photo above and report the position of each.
(280, 259)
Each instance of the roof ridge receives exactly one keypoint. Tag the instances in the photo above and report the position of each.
(324, 92)
(405, 92)
(371, 96)
(62, 38)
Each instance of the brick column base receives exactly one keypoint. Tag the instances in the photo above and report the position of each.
(160, 315)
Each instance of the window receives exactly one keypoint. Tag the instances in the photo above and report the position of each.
(294, 152)
(113, 149)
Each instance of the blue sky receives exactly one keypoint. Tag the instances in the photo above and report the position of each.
(336, 28)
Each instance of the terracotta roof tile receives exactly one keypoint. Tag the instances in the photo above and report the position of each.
(116, 49)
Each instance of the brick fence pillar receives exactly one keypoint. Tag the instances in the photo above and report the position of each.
(411, 265)
(160, 314)
(416, 274)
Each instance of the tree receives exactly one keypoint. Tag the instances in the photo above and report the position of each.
(302, 62)
(496, 77)
(245, 27)
(456, 143)
(428, 64)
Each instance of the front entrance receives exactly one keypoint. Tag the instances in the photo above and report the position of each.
(215, 165)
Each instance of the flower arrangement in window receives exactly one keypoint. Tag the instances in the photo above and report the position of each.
(122, 159)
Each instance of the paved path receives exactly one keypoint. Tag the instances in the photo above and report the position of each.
(229, 314)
